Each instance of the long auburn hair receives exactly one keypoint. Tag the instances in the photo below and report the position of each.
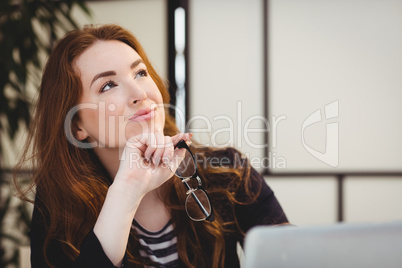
(71, 184)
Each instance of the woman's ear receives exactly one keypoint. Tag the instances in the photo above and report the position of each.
(79, 132)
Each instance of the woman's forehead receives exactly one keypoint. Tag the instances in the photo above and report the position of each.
(107, 52)
(105, 55)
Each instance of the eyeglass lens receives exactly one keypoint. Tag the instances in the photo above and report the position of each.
(193, 208)
(185, 164)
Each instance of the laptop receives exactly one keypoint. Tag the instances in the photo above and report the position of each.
(337, 245)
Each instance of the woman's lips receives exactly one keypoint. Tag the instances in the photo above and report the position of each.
(143, 115)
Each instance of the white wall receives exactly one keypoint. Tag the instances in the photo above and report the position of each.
(306, 201)
(146, 19)
(226, 73)
(344, 53)
(348, 51)
(376, 199)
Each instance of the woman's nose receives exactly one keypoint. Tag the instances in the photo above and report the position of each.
(137, 95)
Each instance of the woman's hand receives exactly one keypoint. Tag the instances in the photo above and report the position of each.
(143, 164)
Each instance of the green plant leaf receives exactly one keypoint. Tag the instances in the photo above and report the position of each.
(10, 237)
(84, 8)
(18, 37)
(4, 208)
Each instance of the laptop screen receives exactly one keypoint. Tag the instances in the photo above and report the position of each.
(336, 245)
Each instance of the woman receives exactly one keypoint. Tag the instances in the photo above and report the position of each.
(104, 157)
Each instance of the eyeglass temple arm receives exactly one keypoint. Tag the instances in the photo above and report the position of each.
(182, 144)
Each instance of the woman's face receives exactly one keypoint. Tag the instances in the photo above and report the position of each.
(120, 99)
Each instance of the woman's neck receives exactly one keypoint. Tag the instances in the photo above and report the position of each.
(152, 213)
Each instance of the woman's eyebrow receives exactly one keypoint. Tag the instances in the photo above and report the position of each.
(107, 73)
(136, 63)
(110, 73)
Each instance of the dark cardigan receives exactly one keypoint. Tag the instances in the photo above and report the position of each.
(265, 211)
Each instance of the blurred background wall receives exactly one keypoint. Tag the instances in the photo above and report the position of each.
(337, 60)
(318, 81)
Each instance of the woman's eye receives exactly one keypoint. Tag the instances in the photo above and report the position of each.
(107, 86)
(141, 73)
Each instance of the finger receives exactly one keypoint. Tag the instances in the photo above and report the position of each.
(181, 136)
(168, 152)
(160, 148)
(151, 146)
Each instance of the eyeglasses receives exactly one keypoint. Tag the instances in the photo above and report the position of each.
(198, 205)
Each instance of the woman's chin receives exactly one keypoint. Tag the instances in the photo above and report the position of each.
(146, 129)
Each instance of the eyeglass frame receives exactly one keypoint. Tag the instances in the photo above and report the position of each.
(211, 217)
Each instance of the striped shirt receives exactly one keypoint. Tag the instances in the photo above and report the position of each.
(160, 247)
